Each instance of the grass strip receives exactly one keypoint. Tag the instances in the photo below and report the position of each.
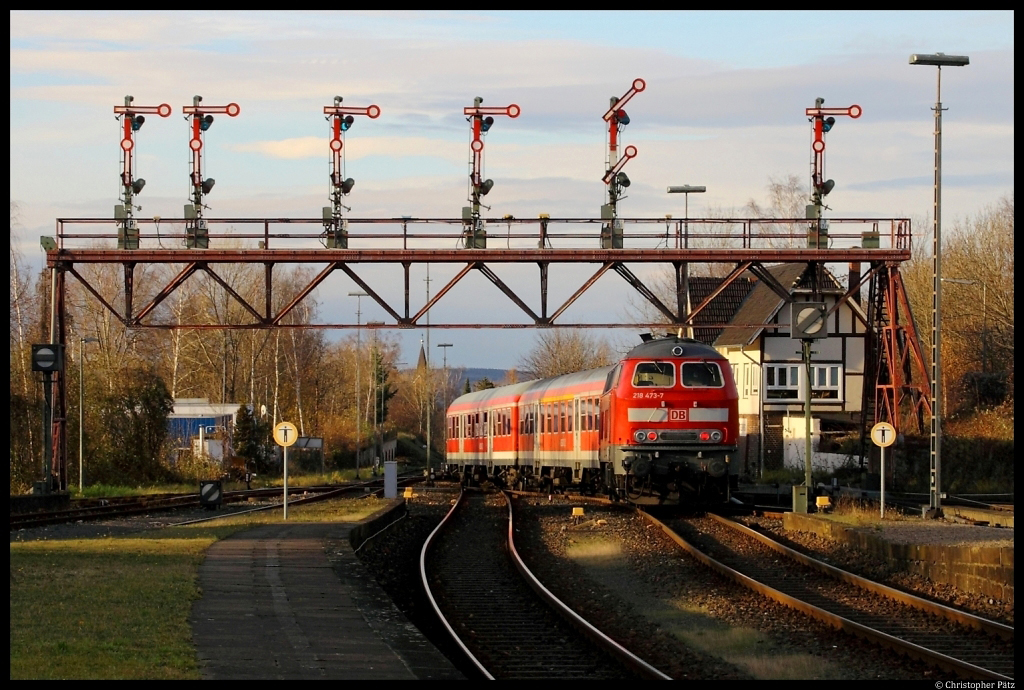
(118, 607)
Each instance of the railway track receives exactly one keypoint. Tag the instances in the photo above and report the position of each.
(500, 616)
(99, 509)
(949, 638)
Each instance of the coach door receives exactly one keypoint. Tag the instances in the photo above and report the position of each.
(574, 415)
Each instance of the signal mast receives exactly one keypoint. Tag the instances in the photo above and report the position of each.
(616, 117)
(341, 119)
(481, 119)
(197, 235)
(132, 117)
(823, 119)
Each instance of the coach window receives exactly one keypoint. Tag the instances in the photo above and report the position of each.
(657, 374)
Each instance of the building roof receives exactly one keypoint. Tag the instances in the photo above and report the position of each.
(191, 408)
(762, 304)
(722, 307)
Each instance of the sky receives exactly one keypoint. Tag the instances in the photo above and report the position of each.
(723, 107)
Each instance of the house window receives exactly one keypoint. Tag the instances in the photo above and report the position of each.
(825, 380)
(782, 382)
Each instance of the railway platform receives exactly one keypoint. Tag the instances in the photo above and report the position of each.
(972, 557)
(293, 601)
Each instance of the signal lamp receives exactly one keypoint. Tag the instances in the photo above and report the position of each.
(485, 187)
(485, 124)
(347, 185)
(652, 436)
(205, 122)
(827, 123)
(208, 185)
(346, 122)
(137, 185)
(705, 436)
(137, 121)
(621, 117)
(826, 187)
(622, 179)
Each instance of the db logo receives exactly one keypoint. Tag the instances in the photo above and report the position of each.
(677, 415)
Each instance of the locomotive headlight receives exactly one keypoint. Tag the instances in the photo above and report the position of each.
(640, 436)
(716, 436)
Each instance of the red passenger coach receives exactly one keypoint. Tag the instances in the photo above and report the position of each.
(658, 427)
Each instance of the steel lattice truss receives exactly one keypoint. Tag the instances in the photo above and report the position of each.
(743, 247)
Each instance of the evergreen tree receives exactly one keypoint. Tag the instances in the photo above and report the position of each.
(384, 391)
(251, 440)
(483, 384)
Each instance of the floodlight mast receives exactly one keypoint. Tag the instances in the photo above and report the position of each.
(201, 118)
(341, 119)
(131, 117)
(939, 60)
(481, 119)
(822, 120)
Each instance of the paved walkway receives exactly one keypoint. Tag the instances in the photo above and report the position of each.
(274, 606)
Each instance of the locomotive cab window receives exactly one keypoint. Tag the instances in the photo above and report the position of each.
(702, 375)
(658, 374)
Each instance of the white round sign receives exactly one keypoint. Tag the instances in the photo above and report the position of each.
(286, 434)
(883, 434)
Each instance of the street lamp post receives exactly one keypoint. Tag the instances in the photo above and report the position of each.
(81, 408)
(377, 396)
(687, 190)
(984, 316)
(684, 269)
(359, 352)
(939, 60)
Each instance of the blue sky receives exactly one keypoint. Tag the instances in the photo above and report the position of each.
(723, 107)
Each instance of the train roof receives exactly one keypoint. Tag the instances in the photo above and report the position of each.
(493, 395)
(567, 382)
(664, 348)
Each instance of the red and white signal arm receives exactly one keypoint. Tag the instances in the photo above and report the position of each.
(883, 434)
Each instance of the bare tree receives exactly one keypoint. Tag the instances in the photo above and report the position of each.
(563, 351)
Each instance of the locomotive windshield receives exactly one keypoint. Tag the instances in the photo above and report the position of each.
(702, 375)
(660, 374)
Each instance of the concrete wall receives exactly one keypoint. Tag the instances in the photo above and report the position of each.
(394, 510)
(986, 570)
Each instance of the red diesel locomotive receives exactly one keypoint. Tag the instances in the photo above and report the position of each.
(658, 427)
